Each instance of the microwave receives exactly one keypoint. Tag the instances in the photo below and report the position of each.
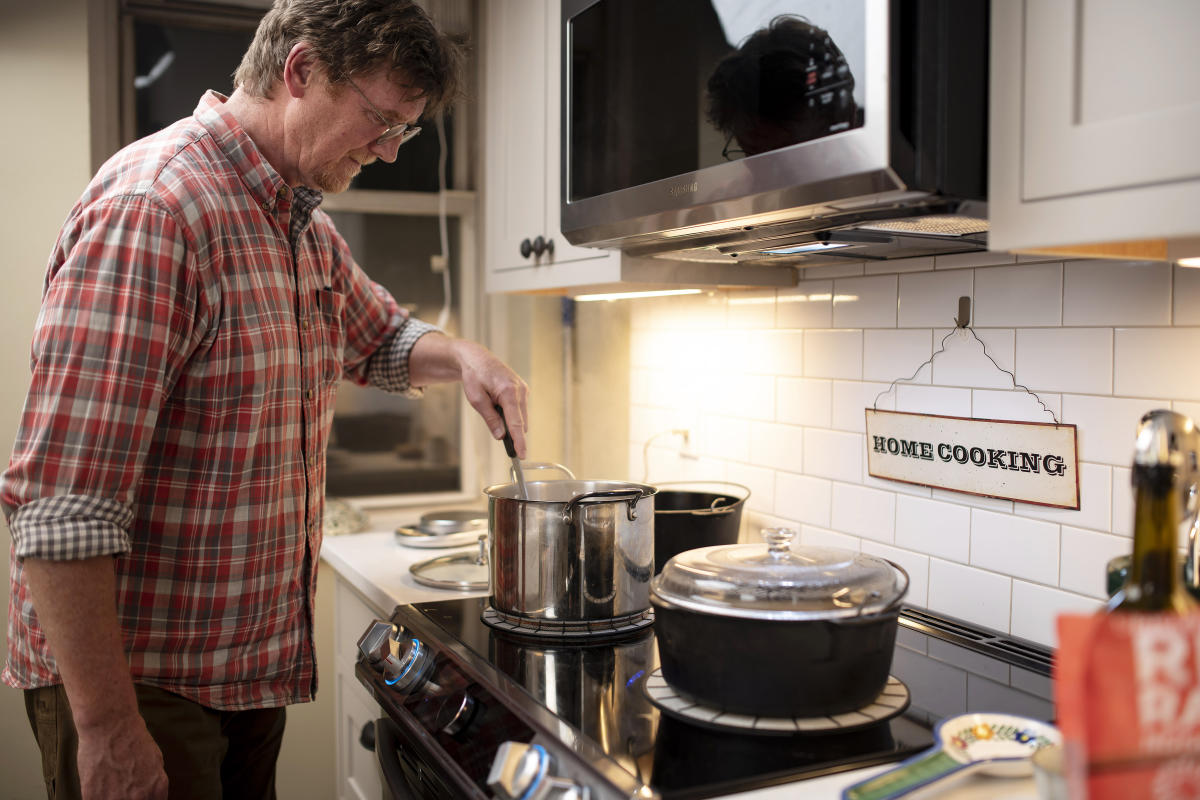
(790, 132)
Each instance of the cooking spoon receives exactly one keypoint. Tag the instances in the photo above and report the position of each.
(996, 744)
(511, 449)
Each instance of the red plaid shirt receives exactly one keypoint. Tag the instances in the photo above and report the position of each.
(196, 319)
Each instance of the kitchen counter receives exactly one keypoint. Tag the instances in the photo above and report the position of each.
(377, 567)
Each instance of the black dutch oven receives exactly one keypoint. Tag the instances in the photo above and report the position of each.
(689, 514)
(775, 631)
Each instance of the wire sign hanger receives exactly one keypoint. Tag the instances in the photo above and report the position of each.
(1030, 462)
(962, 323)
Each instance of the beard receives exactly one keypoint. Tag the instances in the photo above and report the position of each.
(335, 177)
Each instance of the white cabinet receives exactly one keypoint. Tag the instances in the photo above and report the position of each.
(358, 775)
(521, 155)
(1095, 109)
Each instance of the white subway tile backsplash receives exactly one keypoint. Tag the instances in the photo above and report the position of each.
(1157, 362)
(1065, 359)
(1085, 555)
(1106, 426)
(865, 302)
(835, 270)
(852, 399)
(859, 511)
(964, 360)
(1122, 500)
(808, 305)
(751, 309)
(933, 400)
(1016, 404)
(983, 258)
(974, 500)
(1036, 608)
(1023, 548)
(1019, 296)
(833, 354)
(892, 266)
(934, 528)
(776, 446)
(890, 354)
(930, 299)
(969, 593)
(915, 564)
(760, 482)
(803, 499)
(822, 537)
(784, 413)
(833, 454)
(1106, 292)
(1095, 502)
(804, 401)
(1186, 296)
(723, 438)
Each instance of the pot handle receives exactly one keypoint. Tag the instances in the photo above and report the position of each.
(528, 465)
(629, 495)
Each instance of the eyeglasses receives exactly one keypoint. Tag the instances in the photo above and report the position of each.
(402, 130)
(728, 152)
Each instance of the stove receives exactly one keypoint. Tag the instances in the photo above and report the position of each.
(472, 710)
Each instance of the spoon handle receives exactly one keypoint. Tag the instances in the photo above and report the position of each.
(928, 767)
(511, 450)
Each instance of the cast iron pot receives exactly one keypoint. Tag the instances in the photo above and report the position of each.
(571, 550)
(700, 515)
(776, 663)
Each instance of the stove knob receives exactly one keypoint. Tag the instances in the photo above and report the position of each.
(456, 713)
(404, 665)
(522, 771)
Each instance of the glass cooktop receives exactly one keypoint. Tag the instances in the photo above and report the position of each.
(600, 690)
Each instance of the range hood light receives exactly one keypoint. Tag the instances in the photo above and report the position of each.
(814, 247)
(1189, 262)
(588, 298)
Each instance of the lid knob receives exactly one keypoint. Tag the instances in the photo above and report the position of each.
(779, 541)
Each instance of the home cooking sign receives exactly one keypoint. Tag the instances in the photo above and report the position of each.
(1032, 462)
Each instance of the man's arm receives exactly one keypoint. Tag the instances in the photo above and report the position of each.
(487, 381)
(76, 606)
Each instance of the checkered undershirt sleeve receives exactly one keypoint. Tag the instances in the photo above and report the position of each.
(70, 527)
(388, 369)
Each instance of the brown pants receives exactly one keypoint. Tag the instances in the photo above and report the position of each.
(207, 754)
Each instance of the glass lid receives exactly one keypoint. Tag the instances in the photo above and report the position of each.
(466, 571)
(776, 581)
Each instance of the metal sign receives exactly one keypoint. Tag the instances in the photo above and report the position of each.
(1031, 462)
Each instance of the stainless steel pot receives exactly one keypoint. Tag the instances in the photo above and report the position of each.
(572, 550)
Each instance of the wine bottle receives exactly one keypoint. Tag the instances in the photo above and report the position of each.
(1164, 468)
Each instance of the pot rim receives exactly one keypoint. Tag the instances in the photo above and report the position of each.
(848, 615)
(493, 492)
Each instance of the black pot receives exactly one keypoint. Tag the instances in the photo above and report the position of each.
(684, 519)
(775, 668)
(777, 631)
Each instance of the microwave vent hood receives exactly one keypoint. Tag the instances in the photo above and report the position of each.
(890, 160)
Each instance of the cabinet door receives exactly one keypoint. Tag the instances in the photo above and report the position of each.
(522, 147)
(516, 125)
(358, 776)
(1112, 95)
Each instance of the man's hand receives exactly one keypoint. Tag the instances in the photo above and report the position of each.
(117, 758)
(120, 760)
(486, 380)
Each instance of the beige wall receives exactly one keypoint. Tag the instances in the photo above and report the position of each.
(45, 141)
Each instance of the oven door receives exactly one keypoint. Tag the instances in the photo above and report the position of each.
(406, 775)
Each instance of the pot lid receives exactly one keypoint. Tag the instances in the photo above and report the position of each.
(776, 581)
(460, 571)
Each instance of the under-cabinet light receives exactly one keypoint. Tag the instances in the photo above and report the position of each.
(814, 247)
(587, 298)
(1189, 262)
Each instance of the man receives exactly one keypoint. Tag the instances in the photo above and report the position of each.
(166, 487)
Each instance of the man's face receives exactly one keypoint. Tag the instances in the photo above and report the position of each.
(339, 129)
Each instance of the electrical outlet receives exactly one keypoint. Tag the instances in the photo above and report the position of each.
(438, 263)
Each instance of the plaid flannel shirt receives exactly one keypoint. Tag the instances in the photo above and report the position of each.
(197, 316)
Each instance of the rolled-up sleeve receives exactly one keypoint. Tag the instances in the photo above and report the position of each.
(115, 326)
